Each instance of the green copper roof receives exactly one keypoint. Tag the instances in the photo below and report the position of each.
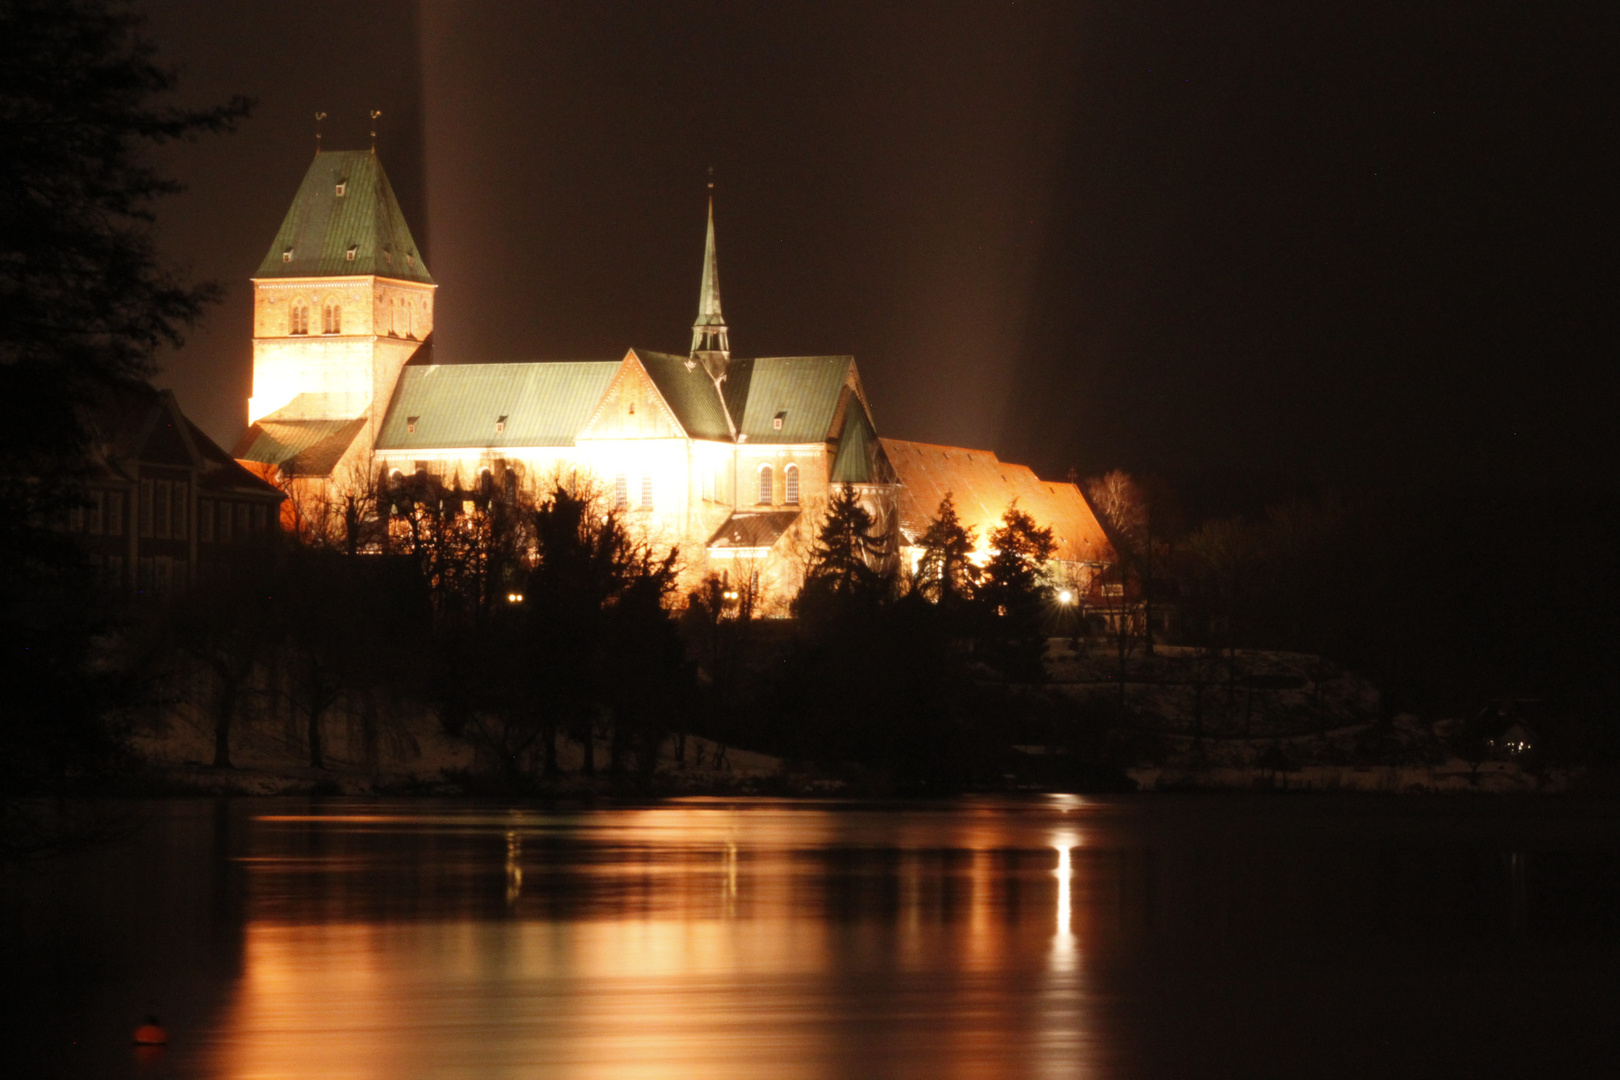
(860, 458)
(299, 447)
(802, 390)
(493, 405)
(709, 291)
(689, 391)
(752, 530)
(323, 227)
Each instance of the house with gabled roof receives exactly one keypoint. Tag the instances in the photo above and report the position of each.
(164, 505)
(727, 458)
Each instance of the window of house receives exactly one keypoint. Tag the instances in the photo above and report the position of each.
(500, 424)
(160, 509)
(776, 421)
(181, 497)
(646, 493)
(350, 253)
(95, 511)
(410, 427)
(621, 491)
(205, 520)
(332, 318)
(343, 185)
(115, 513)
(242, 511)
(767, 484)
(299, 321)
(224, 523)
(790, 478)
(286, 256)
(146, 508)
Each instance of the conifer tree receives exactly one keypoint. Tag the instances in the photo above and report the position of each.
(1014, 593)
(841, 564)
(945, 573)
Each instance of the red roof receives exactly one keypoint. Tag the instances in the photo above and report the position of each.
(983, 486)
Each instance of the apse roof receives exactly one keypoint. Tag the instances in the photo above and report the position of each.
(360, 231)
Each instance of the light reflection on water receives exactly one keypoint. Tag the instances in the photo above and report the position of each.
(1049, 937)
(711, 942)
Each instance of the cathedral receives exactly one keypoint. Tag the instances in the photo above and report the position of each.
(728, 458)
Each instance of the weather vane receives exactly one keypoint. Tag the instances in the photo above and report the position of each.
(374, 114)
(318, 118)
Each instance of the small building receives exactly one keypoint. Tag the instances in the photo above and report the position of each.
(164, 503)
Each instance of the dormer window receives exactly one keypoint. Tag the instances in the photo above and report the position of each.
(410, 424)
(388, 257)
(632, 408)
(500, 424)
(410, 260)
(343, 185)
(286, 256)
(350, 253)
(776, 421)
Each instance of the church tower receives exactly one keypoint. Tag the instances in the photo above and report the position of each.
(710, 344)
(341, 301)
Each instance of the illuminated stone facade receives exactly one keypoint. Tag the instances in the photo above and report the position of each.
(730, 460)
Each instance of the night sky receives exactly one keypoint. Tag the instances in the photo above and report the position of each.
(1257, 249)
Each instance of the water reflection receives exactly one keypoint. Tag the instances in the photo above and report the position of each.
(1016, 938)
(651, 943)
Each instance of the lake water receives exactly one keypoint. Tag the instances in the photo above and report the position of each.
(1045, 937)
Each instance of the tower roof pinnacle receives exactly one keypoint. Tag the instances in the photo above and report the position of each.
(710, 341)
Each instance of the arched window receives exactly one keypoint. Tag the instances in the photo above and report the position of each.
(299, 323)
(621, 491)
(393, 319)
(790, 478)
(767, 482)
(332, 318)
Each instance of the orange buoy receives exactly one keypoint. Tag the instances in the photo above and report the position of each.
(151, 1033)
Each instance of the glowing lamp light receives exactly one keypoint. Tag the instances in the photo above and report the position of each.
(514, 598)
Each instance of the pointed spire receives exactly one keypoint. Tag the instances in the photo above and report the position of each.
(710, 343)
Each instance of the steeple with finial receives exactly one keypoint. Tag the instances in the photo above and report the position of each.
(709, 340)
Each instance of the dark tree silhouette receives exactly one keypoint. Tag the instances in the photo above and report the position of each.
(945, 573)
(844, 560)
(1014, 593)
(84, 303)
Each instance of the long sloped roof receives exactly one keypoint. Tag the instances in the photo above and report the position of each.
(322, 226)
(982, 487)
(461, 405)
(690, 393)
(299, 447)
(803, 390)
